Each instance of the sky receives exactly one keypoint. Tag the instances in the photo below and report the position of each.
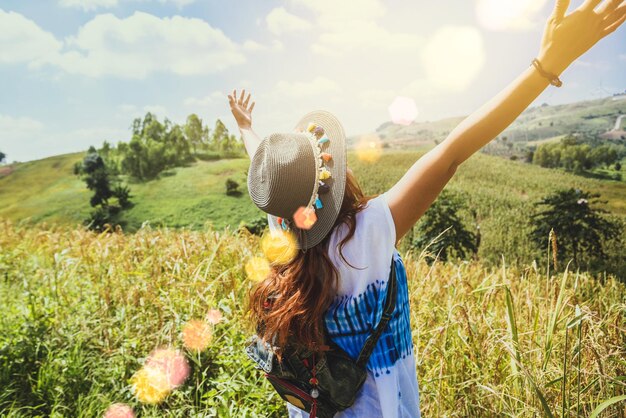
(74, 73)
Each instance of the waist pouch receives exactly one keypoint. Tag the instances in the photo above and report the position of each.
(321, 382)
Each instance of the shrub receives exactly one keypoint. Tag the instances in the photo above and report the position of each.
(232, 188)
(442, 232)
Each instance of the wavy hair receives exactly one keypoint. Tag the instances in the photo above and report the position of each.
(290, 303)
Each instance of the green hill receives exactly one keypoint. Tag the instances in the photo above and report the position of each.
(591, 117)
(501, 193)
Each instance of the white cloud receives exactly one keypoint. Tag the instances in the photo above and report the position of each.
(352, 25)
(128, 111)
(24, 138)
(253, 46)
(17, 128)
(89, 5)
(131, 47)
(376, 98)
(319, 86)
(142, 44)
(206, 101)
(280, 21)
(335, 14)
(22, 41)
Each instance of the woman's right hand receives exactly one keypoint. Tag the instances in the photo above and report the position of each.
(241, 111)
(565, 38)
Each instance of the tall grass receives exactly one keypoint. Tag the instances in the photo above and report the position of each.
(81, 311)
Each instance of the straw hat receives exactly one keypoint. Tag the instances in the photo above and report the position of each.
(299, 177)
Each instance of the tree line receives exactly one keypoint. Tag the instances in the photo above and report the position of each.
(154, 146)
(157, 146)
(574, 155)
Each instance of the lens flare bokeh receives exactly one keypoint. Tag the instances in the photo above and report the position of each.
(172, 363)
(403, 110)
(279, 246)
(150, 385)
(197, 335)
(369, 148)
(214, 316)
(305, 217)
(119, 410)
(257, 269)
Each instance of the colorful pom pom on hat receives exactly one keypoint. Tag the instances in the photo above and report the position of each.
(299, 178)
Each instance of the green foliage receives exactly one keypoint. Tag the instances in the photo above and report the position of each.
(581, 231)
(97, 177)
(157, 146)
(232, 188)
(256, 226)
(82, 311)
(502, 193)
(442, 233)
(196, 133)
(3, 156)
(575, 156)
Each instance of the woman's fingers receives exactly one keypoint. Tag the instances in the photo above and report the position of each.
(614, 15)
(251, 106)
(559, 9)
(615, 20)
(245, 103)
(243, 93)
(608, 6)
(590, 4)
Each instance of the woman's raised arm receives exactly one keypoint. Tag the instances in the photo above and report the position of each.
(565, 38)
(242, 111)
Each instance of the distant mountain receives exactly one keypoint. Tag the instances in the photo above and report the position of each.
(593, 117)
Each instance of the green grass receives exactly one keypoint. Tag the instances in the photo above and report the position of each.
(81, 311)
(500, 191)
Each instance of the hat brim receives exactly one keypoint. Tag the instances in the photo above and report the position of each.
(331, 201)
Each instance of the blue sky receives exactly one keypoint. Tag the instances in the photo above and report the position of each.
(76, 72)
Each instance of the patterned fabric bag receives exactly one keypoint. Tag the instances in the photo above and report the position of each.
(324, 382)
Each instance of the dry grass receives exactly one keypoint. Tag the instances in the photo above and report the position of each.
(82, 311)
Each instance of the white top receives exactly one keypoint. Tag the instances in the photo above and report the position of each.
(391, 389)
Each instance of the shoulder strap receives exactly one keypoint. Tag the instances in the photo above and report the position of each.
(390, 304)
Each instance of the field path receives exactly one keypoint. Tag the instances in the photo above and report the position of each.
(618, 123)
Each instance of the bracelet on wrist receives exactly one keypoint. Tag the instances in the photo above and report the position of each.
(553, 78)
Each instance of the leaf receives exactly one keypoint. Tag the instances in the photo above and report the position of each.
(606, 404)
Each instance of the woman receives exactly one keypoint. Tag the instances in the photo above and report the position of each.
(338, 280)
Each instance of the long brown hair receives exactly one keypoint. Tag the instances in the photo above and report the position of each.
(292, 300)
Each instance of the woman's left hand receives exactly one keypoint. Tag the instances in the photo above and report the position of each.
(241, 111)
(565, 38)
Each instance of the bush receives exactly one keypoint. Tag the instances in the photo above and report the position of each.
(232, 188)
(256, 226)
(441, 231)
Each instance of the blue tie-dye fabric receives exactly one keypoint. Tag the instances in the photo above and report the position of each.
(351, 319)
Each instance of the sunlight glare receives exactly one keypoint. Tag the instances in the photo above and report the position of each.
(369, 148)
(500, 15)
(454, 56)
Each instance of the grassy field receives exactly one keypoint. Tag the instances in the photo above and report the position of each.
(500, 192)
(82, 311)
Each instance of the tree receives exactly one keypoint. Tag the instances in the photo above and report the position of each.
(220, 136)
(443, 216)
(2, 156)
(580, 228)
(107, 201)
(196, 133)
